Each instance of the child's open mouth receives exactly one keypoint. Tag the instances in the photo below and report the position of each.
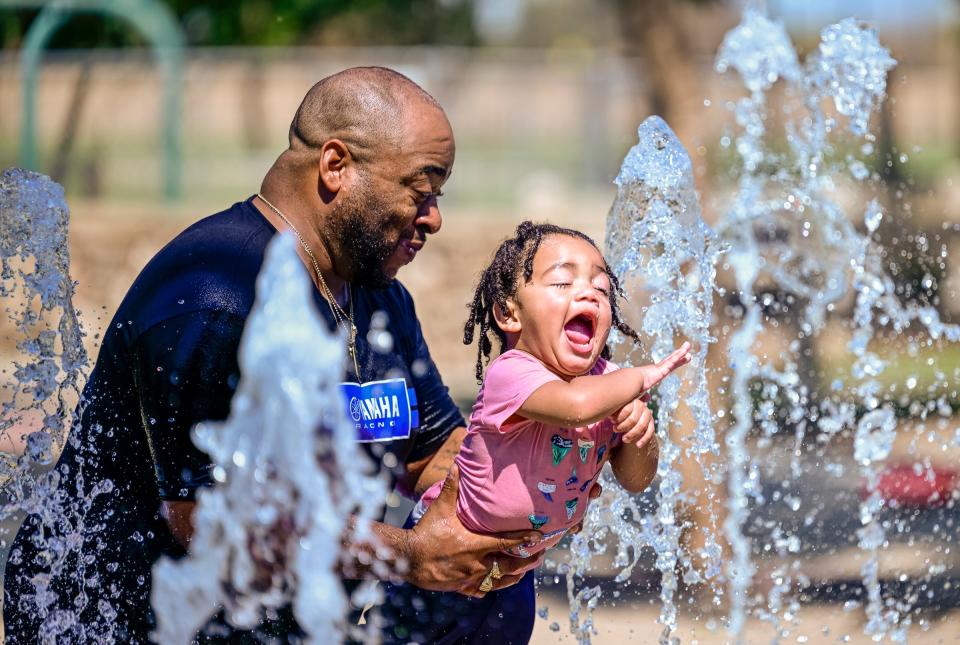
(579, 331)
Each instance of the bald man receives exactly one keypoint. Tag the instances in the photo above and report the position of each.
(368, 154)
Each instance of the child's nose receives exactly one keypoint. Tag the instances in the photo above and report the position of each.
(587, 292)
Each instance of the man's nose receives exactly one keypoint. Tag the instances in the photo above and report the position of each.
(428, 217)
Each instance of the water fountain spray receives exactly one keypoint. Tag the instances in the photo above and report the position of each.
(655, 234)
(38, 405)
(290, 473)
(783, 230)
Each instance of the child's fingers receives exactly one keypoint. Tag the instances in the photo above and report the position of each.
(628, 417)
(649, 432)
(641, 433)
(677, 358)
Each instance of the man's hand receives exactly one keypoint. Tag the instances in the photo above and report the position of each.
(443, 555)
(635, 422)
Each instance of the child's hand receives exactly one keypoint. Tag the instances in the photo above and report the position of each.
(635, 422)
(653, 374)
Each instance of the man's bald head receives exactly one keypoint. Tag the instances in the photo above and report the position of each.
(363, 106)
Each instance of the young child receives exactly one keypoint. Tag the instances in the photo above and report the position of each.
(550, 413)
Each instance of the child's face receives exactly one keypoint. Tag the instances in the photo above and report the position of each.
(562, 316)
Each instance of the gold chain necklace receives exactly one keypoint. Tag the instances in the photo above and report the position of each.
(341, 317)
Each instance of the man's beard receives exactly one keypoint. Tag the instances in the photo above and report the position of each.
(357, 228)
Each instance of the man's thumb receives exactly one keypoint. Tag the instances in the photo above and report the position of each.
(451, 486)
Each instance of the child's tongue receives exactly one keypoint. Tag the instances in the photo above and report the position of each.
(578, 331)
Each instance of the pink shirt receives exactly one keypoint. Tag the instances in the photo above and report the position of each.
(517, 474)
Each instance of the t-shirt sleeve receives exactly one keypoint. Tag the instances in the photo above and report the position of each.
(186, 372)
(439, 415)
(509, 382)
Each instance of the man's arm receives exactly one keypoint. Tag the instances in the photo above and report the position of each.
(424, 473)
(179, 517)
(438, 554)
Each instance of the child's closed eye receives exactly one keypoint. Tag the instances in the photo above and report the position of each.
(560, 285)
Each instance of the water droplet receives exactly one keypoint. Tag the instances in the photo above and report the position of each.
(419, 368)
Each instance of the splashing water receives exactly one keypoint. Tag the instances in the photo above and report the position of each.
(38, 405)
(789, 243)
(35, 279)
(289, 470)
(818, 257)
(655, 232)
(289, 474)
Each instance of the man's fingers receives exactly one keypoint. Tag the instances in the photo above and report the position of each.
(512, 566)
(507, 541)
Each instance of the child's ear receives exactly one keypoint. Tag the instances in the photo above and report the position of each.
(507, 320)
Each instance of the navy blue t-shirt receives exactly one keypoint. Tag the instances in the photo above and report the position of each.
(169, 361)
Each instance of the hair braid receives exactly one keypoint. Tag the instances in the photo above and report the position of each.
(500, 281)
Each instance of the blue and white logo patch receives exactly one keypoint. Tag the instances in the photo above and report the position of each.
(381, 410)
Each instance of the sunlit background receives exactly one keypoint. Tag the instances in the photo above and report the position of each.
(151, 128)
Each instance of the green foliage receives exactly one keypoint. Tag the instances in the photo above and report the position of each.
(272, 23)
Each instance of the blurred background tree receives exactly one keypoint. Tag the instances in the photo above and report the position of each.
(273, 23)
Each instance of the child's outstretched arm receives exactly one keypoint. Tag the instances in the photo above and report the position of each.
(588, 399)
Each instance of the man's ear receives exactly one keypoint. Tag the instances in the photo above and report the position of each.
(334, 159)
(507, 320)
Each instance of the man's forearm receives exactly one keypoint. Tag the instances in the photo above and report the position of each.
(425, 473)
(385, 556)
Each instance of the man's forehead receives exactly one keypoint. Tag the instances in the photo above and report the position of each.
(424, 148)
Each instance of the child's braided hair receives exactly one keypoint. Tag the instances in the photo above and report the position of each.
(499, 281)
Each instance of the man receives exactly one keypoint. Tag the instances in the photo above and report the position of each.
(368, 154)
